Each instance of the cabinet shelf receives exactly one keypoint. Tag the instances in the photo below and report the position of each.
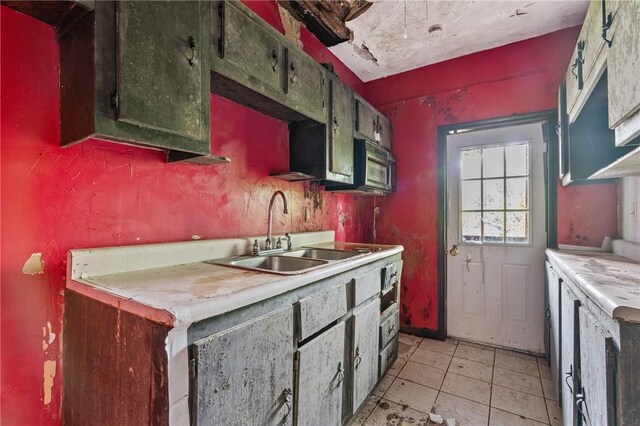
(628, 165)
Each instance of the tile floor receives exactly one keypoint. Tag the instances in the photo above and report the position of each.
(475, 384)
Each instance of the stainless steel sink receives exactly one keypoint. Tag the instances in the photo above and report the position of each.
(324, 254)
(285, 265)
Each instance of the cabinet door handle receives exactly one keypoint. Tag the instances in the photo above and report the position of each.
(288, 398)
(192, 45)
(580, 399)
(607, 20)
(340, 373)
(358, 358)
(274, 59)
(335, 124)
(569, 375)
(292, 68)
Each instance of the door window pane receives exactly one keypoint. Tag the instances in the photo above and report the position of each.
(517, 227)
(471, 195)
(471, 226)
(517, 159)
(493, 162)
(470, 163)
(494, 194)
(517, 193)
(493, 227)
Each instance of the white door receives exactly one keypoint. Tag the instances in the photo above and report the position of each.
(496, 214)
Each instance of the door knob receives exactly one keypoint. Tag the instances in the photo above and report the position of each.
(454, 250)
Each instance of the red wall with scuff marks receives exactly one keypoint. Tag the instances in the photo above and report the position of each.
(98, 194)
(519, 78)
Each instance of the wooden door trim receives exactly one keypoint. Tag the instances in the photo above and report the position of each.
(550, 161)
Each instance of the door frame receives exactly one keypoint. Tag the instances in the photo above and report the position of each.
(550, 162)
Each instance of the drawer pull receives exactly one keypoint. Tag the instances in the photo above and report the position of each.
(288, 398)
(340, 373)
(358, 358)
(569, 375)
(392, 328)
(274, 59)
(579, 401)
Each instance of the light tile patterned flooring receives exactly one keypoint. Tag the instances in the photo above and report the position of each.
(475, 384)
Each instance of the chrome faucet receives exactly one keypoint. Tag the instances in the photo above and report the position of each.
(267, 245)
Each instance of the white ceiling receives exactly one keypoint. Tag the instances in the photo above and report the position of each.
(468, 26)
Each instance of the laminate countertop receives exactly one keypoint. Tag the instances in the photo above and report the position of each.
(611, 281)
(173, 283)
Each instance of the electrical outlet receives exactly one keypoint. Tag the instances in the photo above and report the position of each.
(307, 215)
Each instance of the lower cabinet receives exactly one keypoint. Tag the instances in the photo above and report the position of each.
(321, 379)
(599, 376)
(595, 400)
(366, 320)
(244, 375)
(570, 354)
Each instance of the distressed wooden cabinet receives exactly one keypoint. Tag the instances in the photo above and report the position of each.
(321, 378)
(135, 72)
(366, 320)
(243, 375)
(326, 151)
(597, 374)
(371, 124)
(256, 66)
(623, 64)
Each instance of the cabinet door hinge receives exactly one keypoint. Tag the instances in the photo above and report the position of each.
(548, 315)
(114, 100)
(192, 368)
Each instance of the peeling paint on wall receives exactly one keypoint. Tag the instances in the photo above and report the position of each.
(34, 265)
(291, 26)
(49, 374)
(47, 336)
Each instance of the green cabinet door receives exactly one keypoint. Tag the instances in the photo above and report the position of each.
(340, 129)
(306, 86)
(160, 68)
(385, 132)
(366, 123)
(248, 46)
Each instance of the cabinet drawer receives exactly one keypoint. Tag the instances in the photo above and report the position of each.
(320, 309)
(389, 324)
(391, 275)
(388, 355)
(365, 286)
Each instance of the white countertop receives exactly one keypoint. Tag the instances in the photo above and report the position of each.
(610, 280)
(192, 291)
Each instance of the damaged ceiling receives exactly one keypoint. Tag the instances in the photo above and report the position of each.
(393, 36)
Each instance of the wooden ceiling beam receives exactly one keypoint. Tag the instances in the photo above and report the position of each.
(326, 18)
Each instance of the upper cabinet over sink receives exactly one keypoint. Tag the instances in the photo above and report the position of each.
(136, 72)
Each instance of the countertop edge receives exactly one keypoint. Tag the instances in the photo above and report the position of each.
(610, 307)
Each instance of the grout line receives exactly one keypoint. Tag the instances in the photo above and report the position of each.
(493, 373)
(544, 396)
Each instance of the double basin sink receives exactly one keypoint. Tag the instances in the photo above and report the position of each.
(288, 263)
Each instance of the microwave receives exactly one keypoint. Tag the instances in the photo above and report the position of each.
(374, 170)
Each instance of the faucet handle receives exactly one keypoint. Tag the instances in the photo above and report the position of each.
(256, 248)
(279, 243)
(289, 243)
(267, 244)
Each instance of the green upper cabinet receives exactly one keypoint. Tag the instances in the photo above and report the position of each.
(160, 67)
(385, 130)
(305, 85)
(134, 72)
(341, 133)
(366, 119)
(256, 66)
(371, 124)
(245, 48)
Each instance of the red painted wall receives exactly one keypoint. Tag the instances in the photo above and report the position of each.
(518, 78)
(101, 194)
